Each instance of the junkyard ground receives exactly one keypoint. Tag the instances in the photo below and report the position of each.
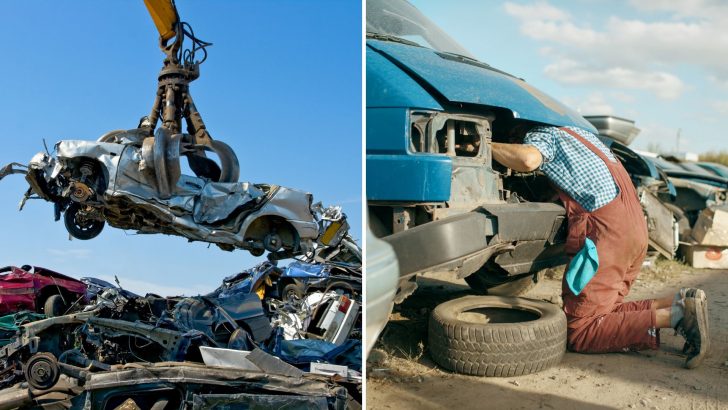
(401, 374)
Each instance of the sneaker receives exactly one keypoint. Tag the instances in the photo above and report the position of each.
(694, 326)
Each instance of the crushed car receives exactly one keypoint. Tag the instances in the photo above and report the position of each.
(717, 169)
(116, 328)
(294, 280)
(36, 289)
(186, 385)
(92, 183)
(673, 192)
(696, 190)
(656, 191)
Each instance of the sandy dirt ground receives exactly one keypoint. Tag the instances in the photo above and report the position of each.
(401, 374)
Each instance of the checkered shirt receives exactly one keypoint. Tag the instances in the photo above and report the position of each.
(573, 167)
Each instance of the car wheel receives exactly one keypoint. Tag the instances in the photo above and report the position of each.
(292, 291)
(497, 336)
(54, 306)
(488, 283)
(79, 226)
(41, 371)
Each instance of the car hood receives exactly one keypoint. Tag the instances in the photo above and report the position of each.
(461, 80)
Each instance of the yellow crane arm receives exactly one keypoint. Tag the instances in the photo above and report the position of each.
(164, 14)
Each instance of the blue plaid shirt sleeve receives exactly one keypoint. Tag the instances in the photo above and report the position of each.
(573, 167)
(544, 142)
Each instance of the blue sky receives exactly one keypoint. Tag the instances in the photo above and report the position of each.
(282, 86)
(660, 62)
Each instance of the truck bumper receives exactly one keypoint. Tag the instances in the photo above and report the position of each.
(463, 243)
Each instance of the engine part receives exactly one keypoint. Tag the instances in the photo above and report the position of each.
(80, 192)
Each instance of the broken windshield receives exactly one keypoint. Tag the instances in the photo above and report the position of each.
(400, 21)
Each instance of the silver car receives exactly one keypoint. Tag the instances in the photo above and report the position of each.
(134, 182)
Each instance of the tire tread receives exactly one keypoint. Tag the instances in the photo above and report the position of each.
(501, 350)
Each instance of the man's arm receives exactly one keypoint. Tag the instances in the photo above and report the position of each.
(518, 157)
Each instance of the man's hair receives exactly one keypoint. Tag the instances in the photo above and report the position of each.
(518, 131)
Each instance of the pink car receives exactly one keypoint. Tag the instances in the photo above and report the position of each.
(37, 289)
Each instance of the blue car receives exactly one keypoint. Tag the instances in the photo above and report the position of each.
(295, 280)
(433, 191)
(717, 169)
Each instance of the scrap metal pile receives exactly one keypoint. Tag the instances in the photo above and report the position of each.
(306, 314)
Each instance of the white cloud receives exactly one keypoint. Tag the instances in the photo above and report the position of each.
(663, 85)
(685, 8)
(561, 32)
(540, 10)
(593, 104)
(622, 96)
(648, 51)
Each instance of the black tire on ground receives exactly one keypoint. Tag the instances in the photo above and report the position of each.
(54, 306)
(486, 282)
(497, 336)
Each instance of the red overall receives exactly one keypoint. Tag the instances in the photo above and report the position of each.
(598, 319)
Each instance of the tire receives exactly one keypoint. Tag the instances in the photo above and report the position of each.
(525, 336)
(292, 291)
(486, 282)
(54, 306)
(80, 227)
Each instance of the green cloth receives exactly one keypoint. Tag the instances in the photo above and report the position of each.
(9, 324)
(583, 267)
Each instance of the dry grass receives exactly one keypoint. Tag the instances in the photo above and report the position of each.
(720, 157)
(664, 269)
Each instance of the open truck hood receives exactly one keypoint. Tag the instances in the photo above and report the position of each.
(461, 80)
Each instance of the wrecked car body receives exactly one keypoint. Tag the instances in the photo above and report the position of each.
(300, 278)
(184, 386)
(93, 183)
(294, 280)
(118, 330)
(655, 190)
(433, 191)
(331, 316)
(694, 190)
(716, 169)
(37, 289)
(335, 244)
(672, 192)
(304, 299)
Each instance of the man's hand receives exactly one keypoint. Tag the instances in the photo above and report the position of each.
(518, 157)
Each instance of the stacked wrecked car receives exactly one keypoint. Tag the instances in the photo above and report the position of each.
(679, 198)
(306, 314)
(297, 326)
